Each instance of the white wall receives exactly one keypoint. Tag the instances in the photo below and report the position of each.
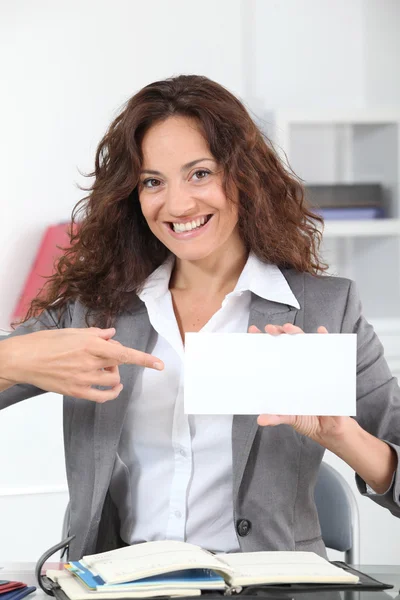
(307, 53)
(382, 34)
(69, 67)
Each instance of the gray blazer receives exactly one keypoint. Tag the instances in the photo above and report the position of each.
(274, 469)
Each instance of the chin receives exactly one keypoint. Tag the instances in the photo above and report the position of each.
(191, 254)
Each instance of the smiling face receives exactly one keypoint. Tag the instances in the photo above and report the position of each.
(181, 192)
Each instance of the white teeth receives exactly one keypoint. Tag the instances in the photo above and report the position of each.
(180, 227)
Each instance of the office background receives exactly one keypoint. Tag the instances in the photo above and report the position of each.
(67, 68)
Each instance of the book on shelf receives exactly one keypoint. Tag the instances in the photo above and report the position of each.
(172, 568)
(349, 214)
(54, 238)
(345, 195)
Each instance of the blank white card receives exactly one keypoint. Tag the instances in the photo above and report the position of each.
(248, 373)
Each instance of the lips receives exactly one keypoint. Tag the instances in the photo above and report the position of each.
(184, 235)
(189, 225)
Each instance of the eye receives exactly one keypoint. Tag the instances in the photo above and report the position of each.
(200, 174)
(151, 183)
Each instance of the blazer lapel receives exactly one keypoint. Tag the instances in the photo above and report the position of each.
(132, 330)
(262, 312)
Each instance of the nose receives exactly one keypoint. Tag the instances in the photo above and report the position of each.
(179, 202)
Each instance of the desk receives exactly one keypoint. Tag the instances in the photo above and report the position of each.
(388, 574)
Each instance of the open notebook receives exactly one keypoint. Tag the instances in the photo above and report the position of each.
(178, 568)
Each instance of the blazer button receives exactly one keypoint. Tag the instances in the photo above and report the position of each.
(243, 527)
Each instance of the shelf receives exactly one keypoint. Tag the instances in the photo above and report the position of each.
(351, 146)
(367, 228)
(351, 117)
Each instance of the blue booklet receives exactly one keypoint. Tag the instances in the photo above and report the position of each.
(18, 594)
(190, 578)
(351, 214)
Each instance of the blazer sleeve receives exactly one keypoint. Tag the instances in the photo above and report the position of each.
(23, 391)
(378, 395)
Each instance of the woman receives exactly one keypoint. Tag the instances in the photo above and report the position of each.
(193, 224)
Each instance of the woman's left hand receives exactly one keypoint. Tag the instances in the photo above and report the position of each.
(323, 430)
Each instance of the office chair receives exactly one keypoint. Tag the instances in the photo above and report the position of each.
(338, 513)
(65, 525)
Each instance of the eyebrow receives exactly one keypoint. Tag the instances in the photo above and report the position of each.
(184, 168)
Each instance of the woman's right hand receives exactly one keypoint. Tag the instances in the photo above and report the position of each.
(69, 362)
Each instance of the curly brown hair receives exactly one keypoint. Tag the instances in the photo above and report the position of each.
(112, 248)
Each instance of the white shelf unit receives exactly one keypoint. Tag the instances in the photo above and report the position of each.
(362, 228)
(342, 147)
(363, 146)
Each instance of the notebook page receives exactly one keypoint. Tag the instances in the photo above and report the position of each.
(143, 549)
(283, 567)
(151, 558)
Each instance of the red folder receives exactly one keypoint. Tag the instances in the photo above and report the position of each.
(55, 235)
(9, 586)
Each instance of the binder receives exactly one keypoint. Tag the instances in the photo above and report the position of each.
(366, 582)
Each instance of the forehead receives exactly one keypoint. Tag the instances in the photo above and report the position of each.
(177, 139)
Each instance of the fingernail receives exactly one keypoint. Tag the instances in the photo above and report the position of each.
(159, 366)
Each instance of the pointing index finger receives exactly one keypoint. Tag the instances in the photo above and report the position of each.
(253, 329)
(122, 355)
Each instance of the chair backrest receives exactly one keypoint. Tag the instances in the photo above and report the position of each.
(65, 531)
(338, 513)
